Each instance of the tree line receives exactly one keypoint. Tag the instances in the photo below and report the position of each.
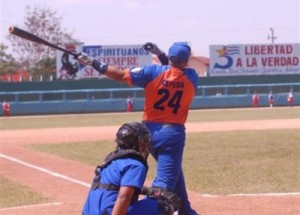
(32, 57)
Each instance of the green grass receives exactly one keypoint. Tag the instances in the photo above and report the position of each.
(243, 162)
(82, 120)
(244, 114)
(13, 194)
(219, 162)
(56, 121)
(92, 153)
(264, 161)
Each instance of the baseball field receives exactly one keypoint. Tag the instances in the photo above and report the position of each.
(236, 161)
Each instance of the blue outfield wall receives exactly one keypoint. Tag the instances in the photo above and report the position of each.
(107, 83)
(65, 107)
(119, 105)
(105, 95)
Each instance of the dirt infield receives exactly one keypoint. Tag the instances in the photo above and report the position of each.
(67, 182)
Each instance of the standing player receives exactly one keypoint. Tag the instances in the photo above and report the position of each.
(290, 98)
(255, 99)
(119, 179)
(271, 99)
(169, 91)
(6, 109)
(129, 104)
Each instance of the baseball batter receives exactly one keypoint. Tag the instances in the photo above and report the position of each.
(169, 91)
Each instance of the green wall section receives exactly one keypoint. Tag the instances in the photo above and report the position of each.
(61, 85)
(107, 83)
(105, 95)
(119, 105)
(262, 79)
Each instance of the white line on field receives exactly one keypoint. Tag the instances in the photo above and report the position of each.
(253, 194)
(31, 206)
(71, 115)
(45, 170)
(58, 175)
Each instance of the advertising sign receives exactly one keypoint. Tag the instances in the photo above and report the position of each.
(121, 56)
(254, 59)
(66, 66)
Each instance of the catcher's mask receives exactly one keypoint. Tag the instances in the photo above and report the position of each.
(134, 136)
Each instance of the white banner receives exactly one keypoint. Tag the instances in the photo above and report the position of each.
(121, 56)
(66, 66)
(254, 59)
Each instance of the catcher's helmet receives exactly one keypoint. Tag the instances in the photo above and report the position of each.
(134, 136)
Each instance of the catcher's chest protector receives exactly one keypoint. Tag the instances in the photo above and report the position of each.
(114, 156)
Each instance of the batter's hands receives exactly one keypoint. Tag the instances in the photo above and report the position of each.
(84, 59)
(152, 48)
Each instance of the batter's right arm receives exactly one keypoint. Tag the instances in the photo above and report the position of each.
(103, 68)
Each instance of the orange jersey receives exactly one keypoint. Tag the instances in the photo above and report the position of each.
(168, 92)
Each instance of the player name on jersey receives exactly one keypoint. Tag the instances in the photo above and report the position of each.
(173, 84)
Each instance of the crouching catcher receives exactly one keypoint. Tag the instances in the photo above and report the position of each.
(119, 180)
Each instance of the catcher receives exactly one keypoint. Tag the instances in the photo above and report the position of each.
(119, 180)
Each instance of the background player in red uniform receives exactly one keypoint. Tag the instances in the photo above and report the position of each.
(6, 108)
(290, 98)
(129, 104)
(255, 99)
(169, 91)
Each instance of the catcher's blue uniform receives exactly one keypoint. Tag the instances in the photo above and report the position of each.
(168, 95)
(122, 172)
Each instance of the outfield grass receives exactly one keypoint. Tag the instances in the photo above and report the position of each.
(218, 162)
(13, 194)
(243, 162)
(214, 162)
(82, 120)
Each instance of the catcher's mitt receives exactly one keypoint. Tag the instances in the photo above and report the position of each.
(168, 201)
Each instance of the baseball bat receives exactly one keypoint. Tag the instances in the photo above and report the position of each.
(33, 38)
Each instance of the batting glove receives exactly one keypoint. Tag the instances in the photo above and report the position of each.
(84, 59)
(152, 48)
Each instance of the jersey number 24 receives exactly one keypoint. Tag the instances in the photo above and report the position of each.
(168, 99)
